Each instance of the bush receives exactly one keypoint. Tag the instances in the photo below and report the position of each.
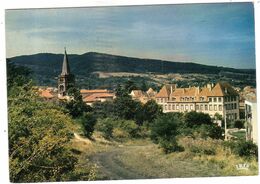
(239, 124)
(213, 131)
(105, 126)
(112, 127)
(164, 131)
(88, 122)
(193, 118)
(243, 148)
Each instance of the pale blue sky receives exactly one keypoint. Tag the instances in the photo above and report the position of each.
(214, 34)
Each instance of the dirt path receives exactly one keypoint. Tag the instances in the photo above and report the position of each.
(111, 168)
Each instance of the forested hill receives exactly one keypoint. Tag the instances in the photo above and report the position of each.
(50, 64)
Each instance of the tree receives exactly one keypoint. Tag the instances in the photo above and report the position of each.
(239, 124)
(194, 118)
(151, 110)
(88, 121)
(76, 106)
(164, 131)
(39, 135)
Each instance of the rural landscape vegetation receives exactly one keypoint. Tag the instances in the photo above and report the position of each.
(119, 139)
(206, 50)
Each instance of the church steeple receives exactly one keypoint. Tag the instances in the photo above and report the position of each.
(65, 65)
(66, 79)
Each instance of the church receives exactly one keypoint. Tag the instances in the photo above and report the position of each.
(66, 80)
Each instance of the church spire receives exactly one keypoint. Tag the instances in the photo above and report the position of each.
(65, 65)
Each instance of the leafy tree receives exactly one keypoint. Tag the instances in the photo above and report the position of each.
(88, 121)
(194, 118)
(76, 106)
(127, 108)
(239, 124)
(103, 109)
(164, 131)
(39, 135)
(151, 110)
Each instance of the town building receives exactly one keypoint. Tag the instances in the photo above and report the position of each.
(142, 96)
(211, 99)
(66, 80)
(96, 95)
(251, 119)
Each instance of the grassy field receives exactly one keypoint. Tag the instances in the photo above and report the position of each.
(139, 159)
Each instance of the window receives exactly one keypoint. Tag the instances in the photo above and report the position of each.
(210, 99)
(197, 107)
(235, 106)
(173, 107)
(182, 108)
(201, 107)
(177, 107)
(186, 107)
(215, 99)
(220, 108)
(210, 107)
(215, 107)
(232, 106)
(219, 99)
(169, 107)
(191, 107)
(161, 100)
(206, 107)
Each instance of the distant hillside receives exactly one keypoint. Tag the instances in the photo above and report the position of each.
(48, 66)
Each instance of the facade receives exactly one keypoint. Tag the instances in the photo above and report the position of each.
(142, 96)
(65, 79)
(251, 119)
(211, 99)
(98, 97)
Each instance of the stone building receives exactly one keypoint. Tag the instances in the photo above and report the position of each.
(211, 99)
(66, 80)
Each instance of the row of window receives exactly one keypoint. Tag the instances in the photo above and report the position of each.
(191, 107)
(200, 107)
(211, 99)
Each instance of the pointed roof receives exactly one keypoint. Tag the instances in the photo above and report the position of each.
(65, 65)
(223, 89)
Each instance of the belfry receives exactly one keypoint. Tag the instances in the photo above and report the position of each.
(66, 80)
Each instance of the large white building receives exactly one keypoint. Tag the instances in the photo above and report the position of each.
(220, 98)
(251, 119)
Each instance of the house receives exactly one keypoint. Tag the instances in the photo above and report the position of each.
(211, 99)
(98, 97)
(142, 96)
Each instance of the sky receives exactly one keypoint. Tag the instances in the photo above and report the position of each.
(212, 34)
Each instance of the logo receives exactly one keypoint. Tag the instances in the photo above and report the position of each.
(244, 166)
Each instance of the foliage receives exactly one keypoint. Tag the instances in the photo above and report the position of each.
(88, 121)
(239, 124)
(194, 118)
(213, 131)
(105, 126)
(164, 131)
(76, 106)
(151, 110)
(39, 136)
(243, 148)
(117, 128)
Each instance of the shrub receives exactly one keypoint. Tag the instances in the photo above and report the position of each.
(106, 127)
(88, 122)
(164, 131)
(243, 148)
(213, 131)
(194, 118)
(239, 124)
